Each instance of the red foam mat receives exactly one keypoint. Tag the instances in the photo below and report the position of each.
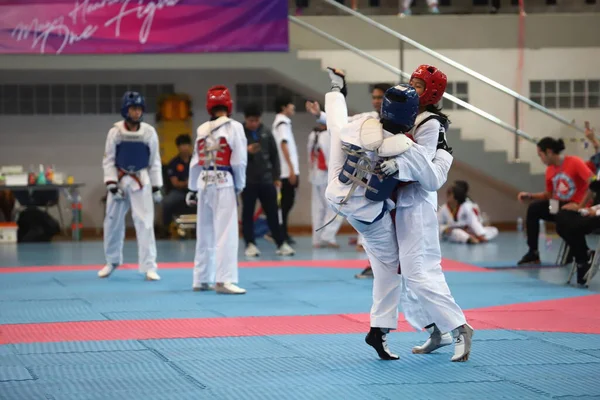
(547, 316)
(448, 265)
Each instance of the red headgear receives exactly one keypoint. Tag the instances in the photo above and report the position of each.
(218, 96)
(435, 84)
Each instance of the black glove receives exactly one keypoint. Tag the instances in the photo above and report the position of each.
(338, 81)
(443, 144)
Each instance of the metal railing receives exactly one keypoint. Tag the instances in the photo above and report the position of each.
(456, 65)
(405, 75)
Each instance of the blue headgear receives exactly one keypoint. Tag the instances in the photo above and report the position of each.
(132, 99)
(400, 108)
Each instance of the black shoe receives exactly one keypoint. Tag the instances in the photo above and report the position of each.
(582, 270)
(366, 273)
(376, 338)
(531, 258)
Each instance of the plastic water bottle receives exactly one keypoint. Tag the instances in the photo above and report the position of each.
(519, 224)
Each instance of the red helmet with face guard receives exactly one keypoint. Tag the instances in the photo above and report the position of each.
(435, 84)
(218, 96)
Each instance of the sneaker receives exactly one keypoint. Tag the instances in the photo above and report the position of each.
(229, 288)
(405, 13)
(377, 338)
(204, 287)
(252, 250)
(531, 258)
(366, 273)
(152, 276)
(107, 270)
(436, 340)
(463, 336)
(285, 250)
(434, 10)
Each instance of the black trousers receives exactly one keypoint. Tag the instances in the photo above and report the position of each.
(267, 195)
(572, 227)
(288, 197)
(538, 210)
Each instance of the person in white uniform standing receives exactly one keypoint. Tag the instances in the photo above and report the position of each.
(318, 156)
(288, 159)
(460, 221)
(217, 176)
(357, 190)
(133, 178)
(428, 303)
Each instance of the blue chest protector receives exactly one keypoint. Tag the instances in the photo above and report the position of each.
(132, 156)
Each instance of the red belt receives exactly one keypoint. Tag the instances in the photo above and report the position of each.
(122, 174)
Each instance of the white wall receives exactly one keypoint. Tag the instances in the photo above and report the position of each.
(75, 144)
(501, 66)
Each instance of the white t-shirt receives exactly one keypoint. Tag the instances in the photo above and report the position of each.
(282, 131)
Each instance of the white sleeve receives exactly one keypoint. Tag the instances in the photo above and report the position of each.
(239, 156)
(325, 144)
(416, 165)
(282, 133)
(337, 118)
(195, 168)
(155, 169)
(110, 153)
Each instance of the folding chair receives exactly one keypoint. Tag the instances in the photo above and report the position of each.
(185, 223)
(591, 272)
(563, 253)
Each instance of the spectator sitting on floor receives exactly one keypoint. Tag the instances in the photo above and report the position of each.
(178, 171)
(459, 218)
(567, 180)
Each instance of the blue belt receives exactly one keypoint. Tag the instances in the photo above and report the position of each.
(381, 214)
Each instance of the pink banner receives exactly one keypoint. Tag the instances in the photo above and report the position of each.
(142, 26)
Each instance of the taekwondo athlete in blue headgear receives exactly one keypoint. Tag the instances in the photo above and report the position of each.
(360, 191)
(133, 178)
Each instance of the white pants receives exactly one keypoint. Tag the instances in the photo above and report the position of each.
(322, 213)
(142, 213)
(217, 238)
(458, 235)
(382, 249)
(406, 3)
(426, 297)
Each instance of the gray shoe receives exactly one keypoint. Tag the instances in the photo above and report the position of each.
(463, 336)
(436, 340)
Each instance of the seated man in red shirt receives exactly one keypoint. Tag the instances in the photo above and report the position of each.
(567, 180)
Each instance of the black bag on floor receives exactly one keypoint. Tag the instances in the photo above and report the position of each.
(36, 225)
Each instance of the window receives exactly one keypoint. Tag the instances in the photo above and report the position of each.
(457, 89)
(566, 94)
(265, 95)
(74, 99)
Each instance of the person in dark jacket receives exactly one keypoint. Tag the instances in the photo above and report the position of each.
(262, 182)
